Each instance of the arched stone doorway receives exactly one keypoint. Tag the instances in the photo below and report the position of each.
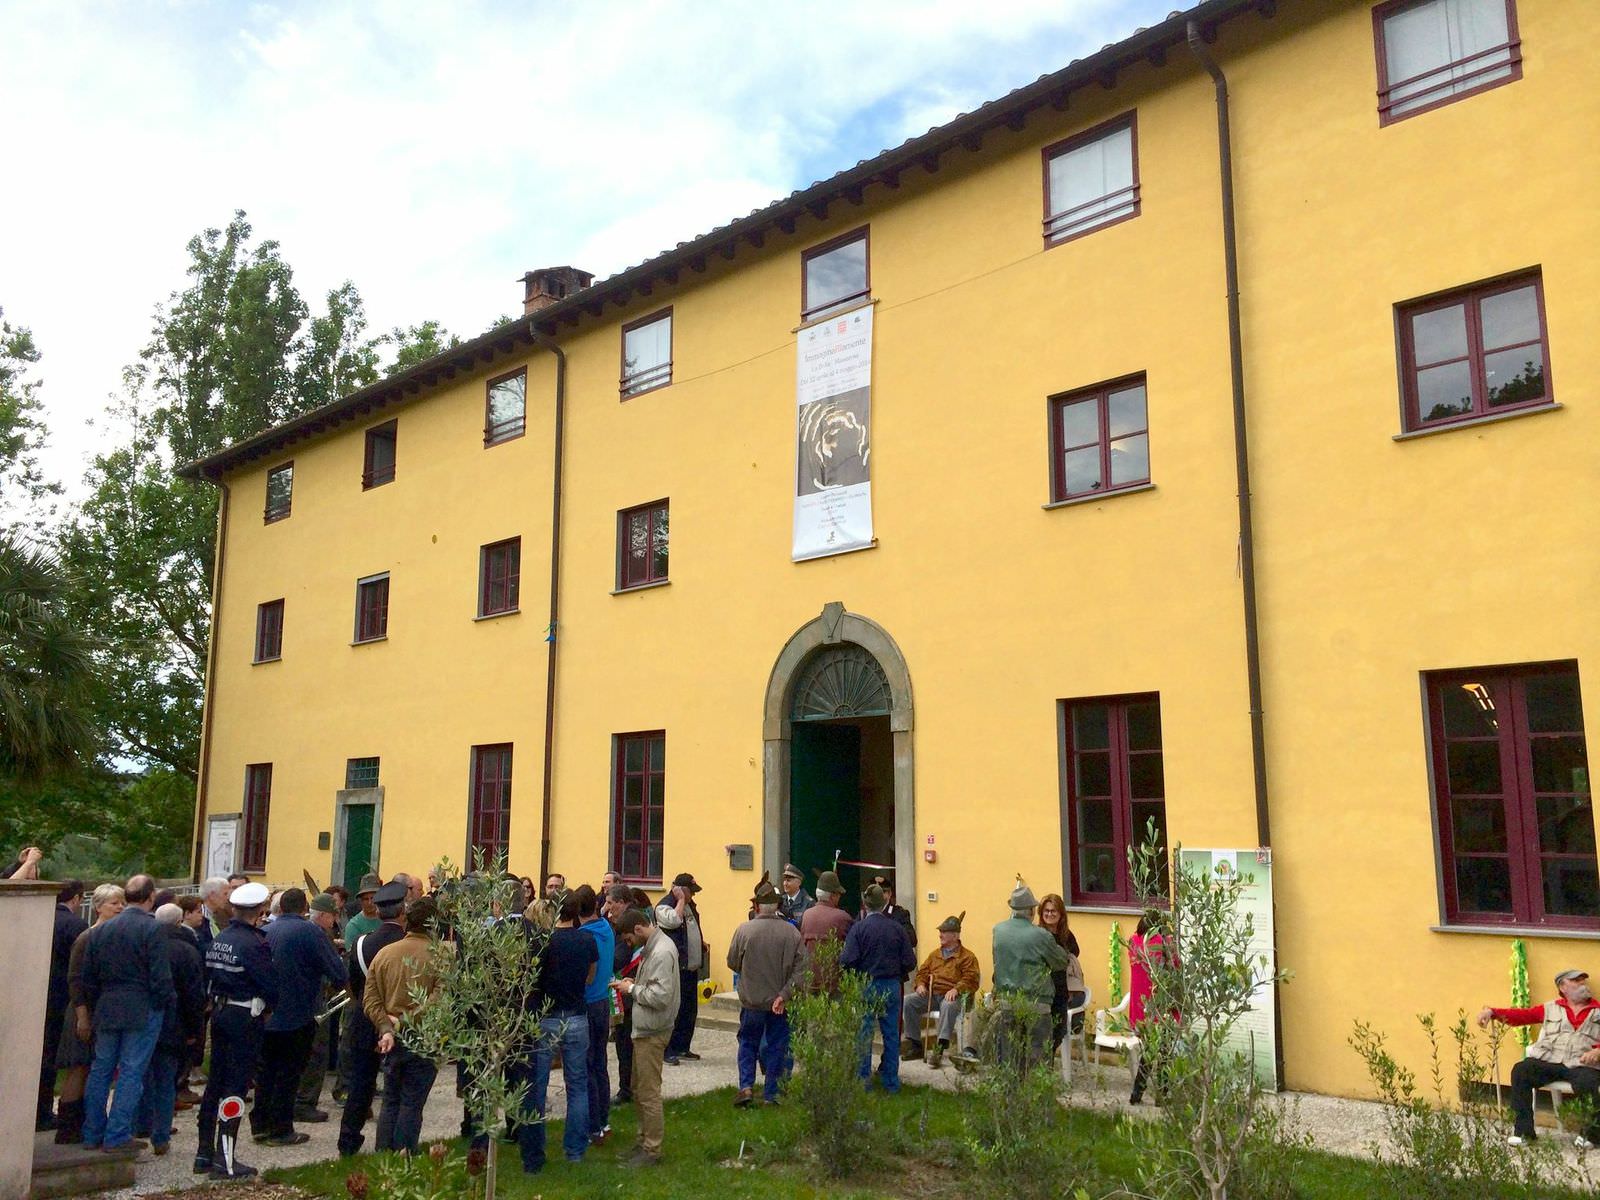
(839, 670)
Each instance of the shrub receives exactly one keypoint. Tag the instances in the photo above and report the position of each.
(827, 1055)
(1013, 1121)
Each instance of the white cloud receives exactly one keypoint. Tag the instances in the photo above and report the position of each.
(433, 152)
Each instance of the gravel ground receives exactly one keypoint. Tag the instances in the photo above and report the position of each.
(1338, 1125)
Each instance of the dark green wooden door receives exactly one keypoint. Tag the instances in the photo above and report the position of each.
(825, 802)
(357, 843)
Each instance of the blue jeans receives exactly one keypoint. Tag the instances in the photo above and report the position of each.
(887, 993)
(599, 1068)
(160, 1097)
(125, 1054)
(573, 1034)
(765, 1035)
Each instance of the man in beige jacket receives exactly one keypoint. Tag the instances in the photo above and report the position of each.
(654, 992)
(407, 1076)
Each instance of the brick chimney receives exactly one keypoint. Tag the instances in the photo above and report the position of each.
(542, 288)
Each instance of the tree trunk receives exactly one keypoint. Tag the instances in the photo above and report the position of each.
(492, 1156)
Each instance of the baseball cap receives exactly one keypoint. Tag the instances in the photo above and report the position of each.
(686, 880)
(1570, 973)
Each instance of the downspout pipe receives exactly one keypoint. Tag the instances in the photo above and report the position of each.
(1241, 444)
(552, 632)
(203, 790)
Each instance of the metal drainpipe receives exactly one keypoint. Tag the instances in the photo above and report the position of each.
(203, 791)
(552, 634)
(1241, 445)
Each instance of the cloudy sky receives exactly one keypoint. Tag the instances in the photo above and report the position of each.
(432, 152)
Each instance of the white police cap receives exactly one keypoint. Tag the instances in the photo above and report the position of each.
(249, 895)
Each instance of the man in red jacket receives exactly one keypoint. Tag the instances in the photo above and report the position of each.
(1567, 1051)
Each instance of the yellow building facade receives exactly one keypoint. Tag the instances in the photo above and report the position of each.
(1020, 664)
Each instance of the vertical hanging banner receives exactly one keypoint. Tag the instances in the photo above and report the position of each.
(833, 446)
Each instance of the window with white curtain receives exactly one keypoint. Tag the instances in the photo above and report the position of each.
(1431, 52)
(1091, 180)
(647, 354)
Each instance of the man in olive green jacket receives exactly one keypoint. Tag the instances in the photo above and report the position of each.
(1024, 956)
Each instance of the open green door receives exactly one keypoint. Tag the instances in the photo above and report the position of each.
(825, 802)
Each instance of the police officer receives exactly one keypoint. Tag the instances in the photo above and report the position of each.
(364, 1061)
(240, 979)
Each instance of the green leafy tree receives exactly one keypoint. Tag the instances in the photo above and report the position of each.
(22, 432)
(417, 343)
(46, 668)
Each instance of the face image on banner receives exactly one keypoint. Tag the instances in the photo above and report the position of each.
(833, 440)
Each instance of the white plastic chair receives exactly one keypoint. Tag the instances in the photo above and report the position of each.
(1069, 1037)
(1557, 1089)
(1126, 1042)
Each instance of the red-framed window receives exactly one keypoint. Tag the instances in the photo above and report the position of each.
(1511, 789)
(505, 414)
(1475, 352)
(280, 493)
(1091, 180)
(489, 811)
(835, 273)
(1433, 52)
(269, 631)
(499, 575)
(1114, 786)
(257, 801)
(642, 545)
(1099, 439)
(378, 465)
(641, 804)
(647, 354)
(372, 608)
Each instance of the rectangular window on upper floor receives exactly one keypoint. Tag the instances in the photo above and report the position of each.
(360, 773)
(647, 354)
(1474, 353)
(257, 801)
(1431, 52)
(642, 545)
(1099, 440)
(1091, 180)
(1113, 791)
(1511, 793)
(506, 408)
(269, 631)
(372, 608)
(499, 577)
(280, 492)
(378, 467)
(834, 274)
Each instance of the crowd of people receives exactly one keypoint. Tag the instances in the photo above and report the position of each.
(282, 989)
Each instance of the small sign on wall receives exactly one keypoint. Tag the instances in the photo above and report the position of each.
(741, 857)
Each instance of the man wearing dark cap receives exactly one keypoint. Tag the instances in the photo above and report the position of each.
(1567, 1050)
(823, 920)
(243, 986)
(302, 957)
(878, 947)
(943, 984)
(768, 957)
(678, 917)
(1024, 956)
(359, 1052)
(795, 900)
(399, 972)
(325, 916)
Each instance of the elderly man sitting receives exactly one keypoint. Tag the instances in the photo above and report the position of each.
(1566, 1052)
(946, 976)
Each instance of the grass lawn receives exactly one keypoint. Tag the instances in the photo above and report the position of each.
(714, 1150)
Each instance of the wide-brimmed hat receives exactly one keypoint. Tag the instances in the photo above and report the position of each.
(369, 883)
(952, 924)
(686, 880)
(873, 896)
(765, 892)
(828, 882)
(1022, 897)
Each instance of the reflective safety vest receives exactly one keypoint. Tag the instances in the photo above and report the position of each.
(1559, 1042)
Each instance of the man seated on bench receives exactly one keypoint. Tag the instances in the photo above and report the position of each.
(945, 977)
(1565, 1052)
